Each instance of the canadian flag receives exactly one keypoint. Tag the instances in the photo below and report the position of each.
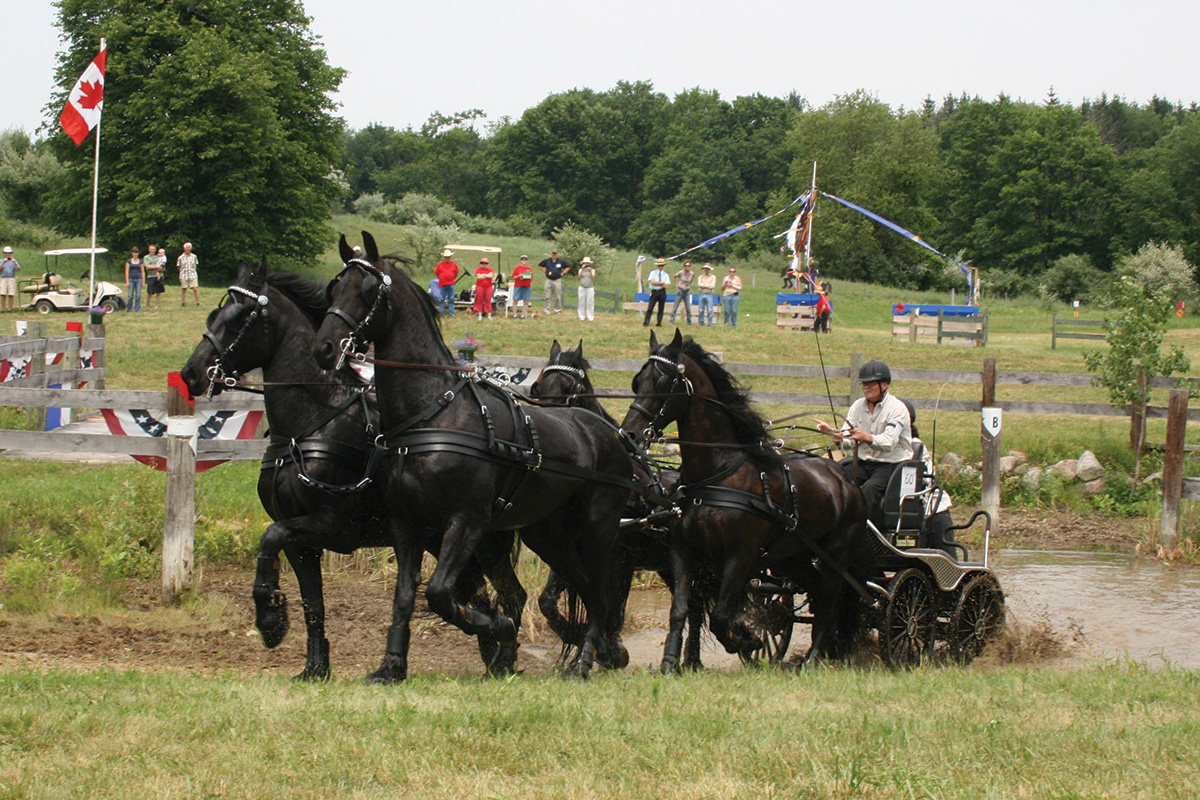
(86, 101)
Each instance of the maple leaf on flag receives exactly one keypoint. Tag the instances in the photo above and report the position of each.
(92, 94)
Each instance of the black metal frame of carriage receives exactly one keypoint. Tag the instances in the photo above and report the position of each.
(925, 604)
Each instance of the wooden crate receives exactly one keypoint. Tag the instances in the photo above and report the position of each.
(940, 329)
(795, 317)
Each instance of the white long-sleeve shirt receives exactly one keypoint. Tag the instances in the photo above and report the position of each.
(889, 426)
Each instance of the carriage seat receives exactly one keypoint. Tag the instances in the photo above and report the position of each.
(904, 503)
(50, 280)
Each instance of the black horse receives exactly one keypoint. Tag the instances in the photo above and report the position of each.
(645, 531)
(316, 479)
(464, 459)
(747, 507)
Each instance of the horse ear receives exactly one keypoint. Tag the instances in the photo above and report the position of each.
(372, 250)
(677, 342)
(263, 269)
(345, 250)
(653, 342)
(555, 350)
(244, 269)
(579, 350)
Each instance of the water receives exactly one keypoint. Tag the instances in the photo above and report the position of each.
(1125, 606)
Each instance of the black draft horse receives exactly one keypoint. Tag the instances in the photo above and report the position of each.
(315, 482)
(747, 507)
(640, 546)
(463, 458)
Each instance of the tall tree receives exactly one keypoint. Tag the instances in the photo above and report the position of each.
(218, 127)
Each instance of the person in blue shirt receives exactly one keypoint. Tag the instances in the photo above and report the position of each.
(659, 281)
(555, 268)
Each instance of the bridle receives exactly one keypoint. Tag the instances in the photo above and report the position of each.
(220, 372)
(673, 371)
(374, 281)
(578, 385)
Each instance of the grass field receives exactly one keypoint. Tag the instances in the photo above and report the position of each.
(1103, 731)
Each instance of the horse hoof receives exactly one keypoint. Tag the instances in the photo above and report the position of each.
(272, 619)
(669, 666)
(384, 676)
(618, 656)
(503, 629)
(314, 674)
(504, 663)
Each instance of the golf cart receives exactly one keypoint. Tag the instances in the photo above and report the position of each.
(465, 297)
(51, 293)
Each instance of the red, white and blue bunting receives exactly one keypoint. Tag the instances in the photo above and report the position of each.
(153, 422)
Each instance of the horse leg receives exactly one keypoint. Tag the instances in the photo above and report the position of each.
(695, 629)
(730, 597)
(621, 580)
(270, 604)
(498, 564)
(408, 571)
(458, 547)
(548, 601)
(306, 563)
(680, 602)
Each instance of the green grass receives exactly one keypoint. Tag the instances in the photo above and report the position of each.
(1099, 731)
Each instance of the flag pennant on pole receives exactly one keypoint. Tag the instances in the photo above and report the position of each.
(86, 101)
(743, 227)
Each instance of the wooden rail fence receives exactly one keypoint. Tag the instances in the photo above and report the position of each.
(1071, 322)
(181, 448)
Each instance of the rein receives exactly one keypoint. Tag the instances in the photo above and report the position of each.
(218, 372)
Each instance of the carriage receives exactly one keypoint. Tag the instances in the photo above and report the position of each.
(925, 603)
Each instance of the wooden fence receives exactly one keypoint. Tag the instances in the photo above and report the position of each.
(1071, 322)
(181, 449)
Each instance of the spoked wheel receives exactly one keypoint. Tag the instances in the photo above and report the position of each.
(771, 618)
(910, 621)
(978, 618)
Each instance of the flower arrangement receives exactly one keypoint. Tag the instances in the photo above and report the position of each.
(466, 348)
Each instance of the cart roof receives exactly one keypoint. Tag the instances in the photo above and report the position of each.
(482, 248)
(74, 251)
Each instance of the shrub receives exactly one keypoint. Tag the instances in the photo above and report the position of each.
(367, 203)
(1160, 266)
(574, 243)
(1072, 278)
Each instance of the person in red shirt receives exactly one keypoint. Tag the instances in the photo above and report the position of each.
(447, 273)
(824, 311)
(484, 276)
(522, 278)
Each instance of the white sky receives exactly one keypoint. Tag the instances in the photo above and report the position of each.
(409, 59)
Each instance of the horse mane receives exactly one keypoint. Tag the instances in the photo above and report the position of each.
(308, 296)
(423, 299)
(748, 424)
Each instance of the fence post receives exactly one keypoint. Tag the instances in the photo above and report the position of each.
(179, 524)
(97, 332)
(35, 418)
(1054, 332)
(990, 445)
(1168, 533)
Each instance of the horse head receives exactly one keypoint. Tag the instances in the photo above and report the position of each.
(663, 390)
(237, 336)
(359, 304)
(564, 377)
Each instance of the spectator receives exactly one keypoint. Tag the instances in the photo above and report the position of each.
(659, 281)
(587, 290)
(447, 275)
(731, 289)
(154, 263)
(706, 282)
(134, 274)
(683, 287)
(554, 268)
(824, 311)
(484, 286)
(189, 276)
(522, 294)
(9, 267)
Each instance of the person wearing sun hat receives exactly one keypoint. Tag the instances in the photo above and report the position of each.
(447, 273)
(706, 283)
(8, 280)
(484, 277)
(587, 290)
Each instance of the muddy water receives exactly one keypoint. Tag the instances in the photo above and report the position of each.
(1113, 605)
(1124, 606)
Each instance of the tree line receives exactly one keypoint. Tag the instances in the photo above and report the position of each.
(219, 127)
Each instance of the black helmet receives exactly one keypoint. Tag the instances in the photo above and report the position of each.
(875, 371)
(912, 412)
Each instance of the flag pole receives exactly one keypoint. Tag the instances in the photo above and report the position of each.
(92, 294)
(811, 220)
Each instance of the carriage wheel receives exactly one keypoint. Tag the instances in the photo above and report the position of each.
(978, 618)
(771, 618)
(907, 635)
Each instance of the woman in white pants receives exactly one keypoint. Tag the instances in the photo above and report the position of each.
(587, 290)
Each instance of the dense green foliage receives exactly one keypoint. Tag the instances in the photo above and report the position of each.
(217, 128)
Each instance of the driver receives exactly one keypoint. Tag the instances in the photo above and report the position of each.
(879, 431)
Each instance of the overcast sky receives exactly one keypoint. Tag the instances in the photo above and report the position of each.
(407, 60)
